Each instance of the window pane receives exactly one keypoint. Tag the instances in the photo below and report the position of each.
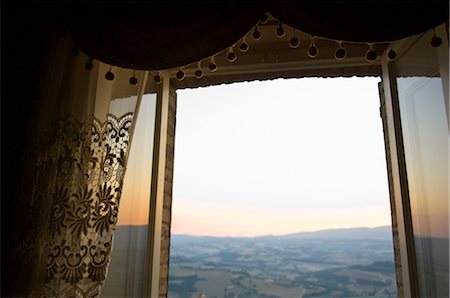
(425, 133)
(128, 258)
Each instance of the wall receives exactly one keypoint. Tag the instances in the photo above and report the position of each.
(167, 205)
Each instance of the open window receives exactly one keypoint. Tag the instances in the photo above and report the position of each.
(281, 190)
(421, 264)
(417, 124)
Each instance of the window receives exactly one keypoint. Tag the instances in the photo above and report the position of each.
(272, 159)
(126, 276)
(161, 189)
(426, 137)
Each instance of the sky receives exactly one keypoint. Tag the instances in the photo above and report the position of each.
(279, 157)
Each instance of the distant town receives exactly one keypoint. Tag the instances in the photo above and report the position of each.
(355, 262)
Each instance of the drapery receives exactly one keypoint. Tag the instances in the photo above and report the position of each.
(161, 34)
(79, 157)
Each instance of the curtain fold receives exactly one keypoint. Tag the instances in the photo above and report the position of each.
(161, 34)
(360, 20)
(82, 139)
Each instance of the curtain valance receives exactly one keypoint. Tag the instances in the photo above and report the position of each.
(160, 34)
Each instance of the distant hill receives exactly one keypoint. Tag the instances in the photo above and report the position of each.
(360, 233)
(378, 233)
(138, 236)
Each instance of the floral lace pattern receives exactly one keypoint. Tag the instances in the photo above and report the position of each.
(86, 165)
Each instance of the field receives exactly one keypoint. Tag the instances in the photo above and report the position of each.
(282, 266)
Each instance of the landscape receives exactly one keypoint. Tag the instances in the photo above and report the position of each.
(355, 262)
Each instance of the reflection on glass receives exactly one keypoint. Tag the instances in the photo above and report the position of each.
(127, 267)
(426, 143)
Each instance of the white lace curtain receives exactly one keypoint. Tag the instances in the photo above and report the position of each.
(82, 141)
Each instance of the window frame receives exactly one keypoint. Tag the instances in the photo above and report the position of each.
(408, 282)
(162, 172)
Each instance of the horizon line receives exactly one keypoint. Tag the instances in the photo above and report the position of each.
(264, 235)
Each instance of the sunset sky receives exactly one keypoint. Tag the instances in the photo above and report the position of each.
(279, 157)
(272, 157)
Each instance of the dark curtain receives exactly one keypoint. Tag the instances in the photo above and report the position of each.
(361, 20)
(28, 39)
(160, 34)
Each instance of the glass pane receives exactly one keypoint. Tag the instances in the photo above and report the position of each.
(129, 252)
(425, 133)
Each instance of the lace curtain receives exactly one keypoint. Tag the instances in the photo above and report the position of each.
(82, 141)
